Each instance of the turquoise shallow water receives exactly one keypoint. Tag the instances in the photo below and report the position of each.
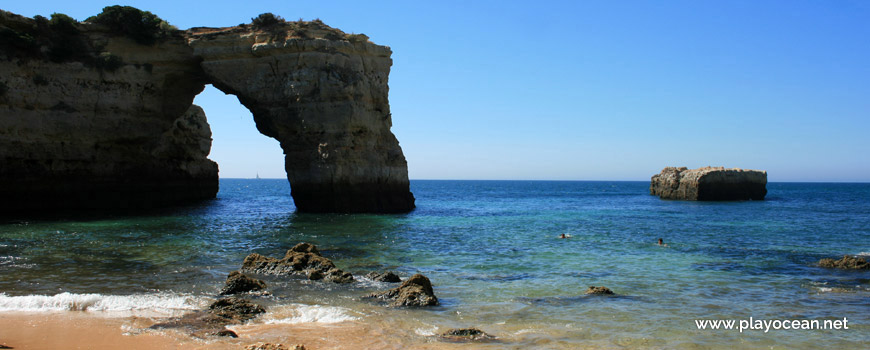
(491, 249)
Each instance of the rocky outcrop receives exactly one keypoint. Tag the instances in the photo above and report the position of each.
(302, 259)
(238, 282)
(847, 262)
(415, 291)
(593, 290)
(465, 335)
(323, 96)
(90, 119)
(709, 184)
(98, 115)
(387, 276)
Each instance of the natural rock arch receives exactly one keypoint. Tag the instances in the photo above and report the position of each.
(77, 133)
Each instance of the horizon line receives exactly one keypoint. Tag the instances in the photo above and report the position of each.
(552, 180)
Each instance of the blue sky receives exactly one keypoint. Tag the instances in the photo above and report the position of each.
(583, 90)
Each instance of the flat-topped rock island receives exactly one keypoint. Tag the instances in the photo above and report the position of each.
(709, 184)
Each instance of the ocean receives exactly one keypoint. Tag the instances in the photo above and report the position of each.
(493, 253)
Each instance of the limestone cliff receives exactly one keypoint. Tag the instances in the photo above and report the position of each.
(323, 95)
(91, 119)
(709, 184)
(99, 114)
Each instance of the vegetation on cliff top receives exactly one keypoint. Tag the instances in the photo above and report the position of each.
(61, 38)
(142, 26)
(266, 21)
(283, 29)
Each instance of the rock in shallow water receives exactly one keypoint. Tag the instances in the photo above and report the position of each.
(302, 259)
(847, 262)
(212, 321)
(415, 291)
(271, 346)
(238, 282)
(388, 276)
(466, 335)
(599, 291)
(235, 309)
(709, 184)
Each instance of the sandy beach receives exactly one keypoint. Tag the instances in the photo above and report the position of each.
(85, 330)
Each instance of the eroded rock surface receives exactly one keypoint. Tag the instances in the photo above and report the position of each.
(847, 262)
(709, 184)
(92, 119)
(302, 259)
(415, 291)
(324, 98)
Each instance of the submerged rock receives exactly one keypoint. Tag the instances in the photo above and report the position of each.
(466, 335)
(599, 291)
(415, 291)
(388, 276)
(302, 259)
(847, 262)
(226, 333)
(709, 184)
(214, 320)
(271, 346)
(238, 282)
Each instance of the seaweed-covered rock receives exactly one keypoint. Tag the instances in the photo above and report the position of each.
(415, 291)
(466, 335)
(388, 276)
(599, 291)
(238, 282)
(847, 262)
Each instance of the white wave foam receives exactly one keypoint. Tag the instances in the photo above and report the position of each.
(98, 302)
(316, 314)
(825, 289)
(426, 331)
(863, 254)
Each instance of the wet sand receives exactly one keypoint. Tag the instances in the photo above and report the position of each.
(85, 330)
(81, 330)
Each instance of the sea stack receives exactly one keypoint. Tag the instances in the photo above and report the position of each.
(98, 114)
(709, 184)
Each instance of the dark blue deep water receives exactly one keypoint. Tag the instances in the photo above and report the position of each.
(492, 250)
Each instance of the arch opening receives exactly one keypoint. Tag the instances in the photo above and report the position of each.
(240, 150)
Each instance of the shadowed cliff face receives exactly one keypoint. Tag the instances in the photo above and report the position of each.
(325, 99)
(92, 119)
